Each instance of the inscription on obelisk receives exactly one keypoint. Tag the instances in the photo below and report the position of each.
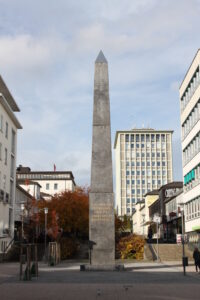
(101, 196)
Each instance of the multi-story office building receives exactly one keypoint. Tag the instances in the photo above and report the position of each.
(50, 182)
(8, 144)
(143, 164)
(190, 122)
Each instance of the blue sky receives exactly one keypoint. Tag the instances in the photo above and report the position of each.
(47, 54)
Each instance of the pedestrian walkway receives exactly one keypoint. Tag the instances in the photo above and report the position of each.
(143, 280)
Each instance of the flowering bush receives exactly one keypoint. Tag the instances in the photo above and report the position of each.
(131, 246)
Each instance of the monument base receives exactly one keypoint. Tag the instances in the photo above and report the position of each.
(102, 268)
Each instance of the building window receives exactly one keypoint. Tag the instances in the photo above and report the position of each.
(127, 173)
(158, 163)
(143, 181)
(128, 210)
(163, 138)
(55, 186)
(6, 156)
(163, 163)
(133, 200)
(132, 172)
(6, 134)
(127, 137)
(132, 163)
(138, 181)
(153, 173)
(0, 151)
(128, 200)
(138, 163)
(47, 186)
(138, 191)
(143, 172)
(138, 173)
(157, 137)
(13, 142)
(1, 123)
(133, 181)
(133, 191)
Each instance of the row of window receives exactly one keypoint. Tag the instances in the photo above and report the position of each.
(145, 146)
(192, 149)
(43, 176)
(145, 137)
(192, 178)
(147, 172)
(5, 158)
(191, 120)
(48, 186)
(143, 181)
(148, 164)
(191, 88)
(192, 209)
(153, 155)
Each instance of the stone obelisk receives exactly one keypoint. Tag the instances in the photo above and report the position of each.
(101, 216)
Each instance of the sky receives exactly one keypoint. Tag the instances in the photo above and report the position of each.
(47, 54)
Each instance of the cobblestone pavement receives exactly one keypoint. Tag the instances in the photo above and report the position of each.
(141, 280)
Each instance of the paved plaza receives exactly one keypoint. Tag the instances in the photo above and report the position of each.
(140, 280)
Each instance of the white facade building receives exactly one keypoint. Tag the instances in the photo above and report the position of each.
(50, 182)
(8, 146)
(143, 164)
(190, 123)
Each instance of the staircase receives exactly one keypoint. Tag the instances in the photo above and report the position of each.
(149, 253)
(172, 252)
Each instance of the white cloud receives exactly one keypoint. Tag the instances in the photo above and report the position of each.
(47, 57)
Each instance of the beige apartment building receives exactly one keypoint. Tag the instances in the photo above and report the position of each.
(190, 123)
(143, 164)
(9, 126)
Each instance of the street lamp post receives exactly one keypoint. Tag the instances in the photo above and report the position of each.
(21, 239)
(183, 238)
(143, 219)
(45, 241)
(22, 215)
(157, 220)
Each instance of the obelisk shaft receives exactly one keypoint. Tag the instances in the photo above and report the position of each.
(101, 195)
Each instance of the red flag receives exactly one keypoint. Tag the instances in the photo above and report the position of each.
(54, 167)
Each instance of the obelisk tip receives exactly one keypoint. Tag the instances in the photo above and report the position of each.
(101, 58)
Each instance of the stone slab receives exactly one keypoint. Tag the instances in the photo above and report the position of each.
(101, 232)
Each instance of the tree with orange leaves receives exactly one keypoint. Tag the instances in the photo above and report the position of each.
(69, 212)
